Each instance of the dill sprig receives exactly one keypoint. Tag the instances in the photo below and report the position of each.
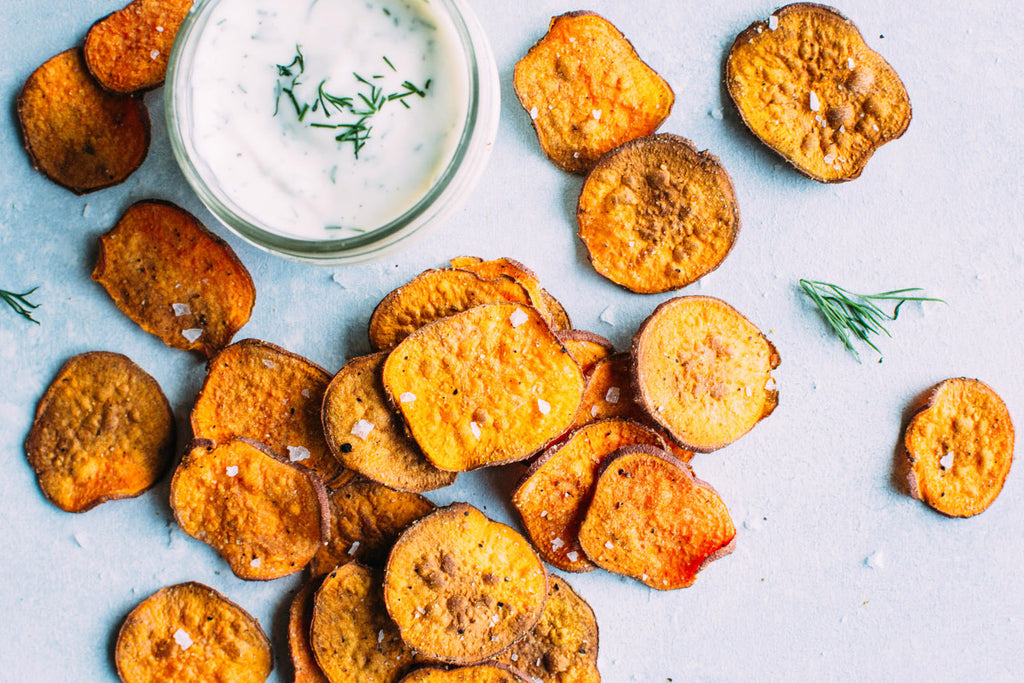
(855, 316)
(20, 303)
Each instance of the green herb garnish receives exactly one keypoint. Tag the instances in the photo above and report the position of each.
(20, 303)
(855, 315)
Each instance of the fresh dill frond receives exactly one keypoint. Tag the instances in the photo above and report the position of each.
(20, 304)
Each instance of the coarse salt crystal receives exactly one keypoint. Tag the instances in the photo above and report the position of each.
(407, 397)
(232, 470)
(159, 29)
(255, 562)
(544, 513)
(354, 547)
(192, 333)
(815, 104)
(593, 411)
(514, 657)
(849, 63)
(339, 280)
(495, 618)
(573, 556)
(361, 429)
(183, 639)
(748, 391)
(770, 384)
(475, 428)
(85, 210)
(80, 540)
(305, 393)
(575, 155)
(543, 406)
(534, 113)
(716, 114)
(946, 461)
(154, 54)
(613, 395)
(829, 158)
(608, 544)
(518, 317)
(596, 113)
(181, 309)
(269, 363)
(557, 543)
(298, 453)
(608, 315)
(875, 126)
(643, 577)
(773, 22)
(380, 636)
(875, 560)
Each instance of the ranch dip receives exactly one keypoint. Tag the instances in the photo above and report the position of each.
(325, 119)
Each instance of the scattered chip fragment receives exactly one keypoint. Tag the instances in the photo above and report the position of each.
(175, 278)
(609, 392)
(586, 348)
(102, 431)
(549, 307)
(491, 672)
(587, 91)
(190, 633)
(656, 215)
(300, 619)
(814, 92)
(960, 448)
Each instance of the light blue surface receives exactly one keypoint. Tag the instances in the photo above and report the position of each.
(810, 488)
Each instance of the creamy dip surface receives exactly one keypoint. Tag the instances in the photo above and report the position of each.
(387, 77)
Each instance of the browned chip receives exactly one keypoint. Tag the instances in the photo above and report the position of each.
(190, 633)
(366, 519)
(77, 134)
(813, 91)
(436, 294)
(548, 305)
(127, 50)
(609, 392)
(103, 430)
(175, 278)
(703, 371)
(586, 348)
(587, 91)
(489, 386)
(960, 448)
(367, 437)
(261, 391)
(482, 673)
(562, 647)
(652, 520)
(553, 495)
(462, 587)
(352, 637)
(265, 516)
(656, 214)
(300, 618)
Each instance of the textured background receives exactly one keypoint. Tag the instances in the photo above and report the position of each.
(837, 573)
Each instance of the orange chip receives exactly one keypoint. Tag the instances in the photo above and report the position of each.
(652, 520)
(352, 637)
(300, 618)
(553, 495)
(367, 437)
(77, 134)
(436, 294)
(127, 50)
(462, 587)
(548, 305)
(587, 91)
(482, 673)
(960, 448)
(586, 348)
(102, 431)
(261, 391)
(562, 647)
(812, 90)
(489, 386)
(366, 519)
(190, 633)
(656, 215)
(703, 371)
(267, 517)
(175, 278)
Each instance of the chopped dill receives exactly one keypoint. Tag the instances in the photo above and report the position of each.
(20, 304)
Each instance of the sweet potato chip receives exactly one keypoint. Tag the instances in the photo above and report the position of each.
(586, 348)
(609, 392)
(485, 387)
(482, 673)
(562, 647)
(102, 431)
(367, 437)
(436, 294)
(960, 448)
(127, 50)
(77, 134)
(300, 619)
(267, 517)
(261, 391)
(462, 587)
(553, 494)
(175, 278)
(810, 88)
(656, 214)
(190, 633)
(587, 91)
(652, 520)
(352, 637)
(366, 519)
(703, 371)
(548, 306)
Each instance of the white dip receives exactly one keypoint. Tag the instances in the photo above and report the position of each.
(296, 178)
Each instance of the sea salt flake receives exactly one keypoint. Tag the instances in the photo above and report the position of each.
(613, 395)
(608, 315)
(407, 397)
(495, 618)
(593, 411)
(946, 461)
(475, 428)
(773, 22)
(181, 309)
(596, 113)
(361, 429)
(514, 657)
(355, 546)
(339, 280)
(716, 114)
(815, 103)
(849, 63)
(159, 29)
(557, 543)
(544, 514)
(269, 363)
(255, 562)
(875, 560)
(608, 544)
(830, 158)
(380, 636)
(298, 453)
(543, 406)
(80, 540)
(534, 113)
(573, 556)
(154, 54)
(232, 470)
(192, 333)
(518, 317)
(183, 639)
(305, 393)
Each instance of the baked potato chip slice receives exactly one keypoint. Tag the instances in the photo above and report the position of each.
(652, 520)
(482, 673)
(960, 448)
(366, 519)
(703, 371)
(562, 647)
(489, 386)
(553, 495)
(267, 517)
(127, 51)
(77, 134)
(813, 91)
(462, 587)
(300, 619)
(586, 348)
(367, 437)
(258, 390)
(175, 278)
(587, 91)
(548, 306)
(436, 294)
(656, 215)
(102, 431)
(190, 633)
